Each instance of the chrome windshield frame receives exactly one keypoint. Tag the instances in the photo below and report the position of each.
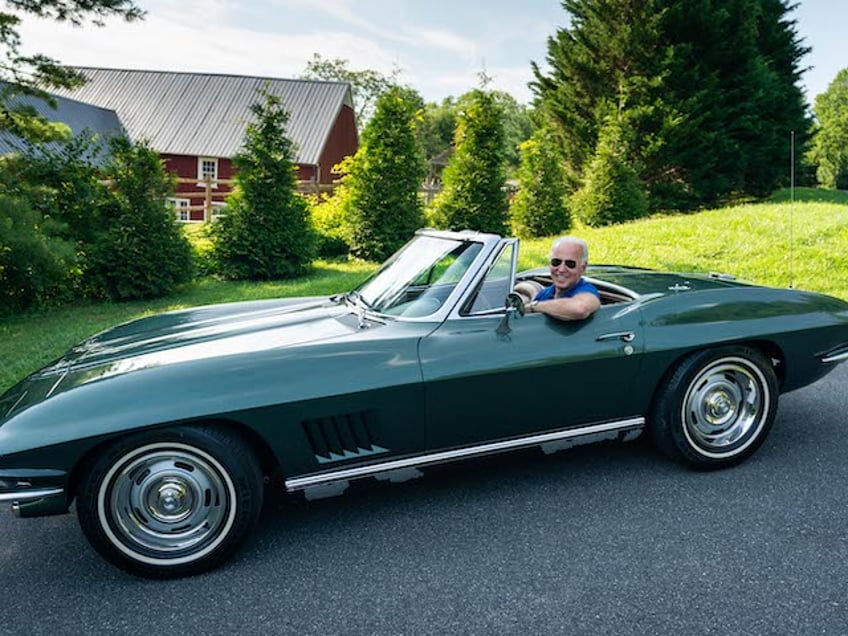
(491, 245)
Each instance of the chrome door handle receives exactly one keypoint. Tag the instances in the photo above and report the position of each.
(624, 336)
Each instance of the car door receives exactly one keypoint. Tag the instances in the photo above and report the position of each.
(489, 377)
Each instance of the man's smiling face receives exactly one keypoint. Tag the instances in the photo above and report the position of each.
(563, 276)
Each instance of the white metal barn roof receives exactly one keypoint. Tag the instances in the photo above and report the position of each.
(205, 114)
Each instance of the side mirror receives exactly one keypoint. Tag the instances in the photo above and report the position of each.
(515, 303)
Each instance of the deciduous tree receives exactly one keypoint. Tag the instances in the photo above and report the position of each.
(366, 85)
(436, 126)
(829, 152)
(35, 74)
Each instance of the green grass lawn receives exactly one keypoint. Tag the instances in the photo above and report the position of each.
(750, 241)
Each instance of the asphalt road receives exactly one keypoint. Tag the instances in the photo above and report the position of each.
(611, 539)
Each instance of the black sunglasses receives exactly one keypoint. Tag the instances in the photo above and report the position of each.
(569, 263)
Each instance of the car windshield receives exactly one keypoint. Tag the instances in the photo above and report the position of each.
(418, 279)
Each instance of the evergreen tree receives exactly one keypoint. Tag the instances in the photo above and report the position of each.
(437, 126)
(608, 60)
(783, 107)
(539, 208)
(266, 233)
(380, 189)
(473, 196)
(709, 89)
(829, 152)
(736, 69)
(612, 192)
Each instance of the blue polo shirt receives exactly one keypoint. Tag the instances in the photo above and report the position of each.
(582, 286)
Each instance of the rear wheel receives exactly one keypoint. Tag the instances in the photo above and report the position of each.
(171, 503)
(716, 408)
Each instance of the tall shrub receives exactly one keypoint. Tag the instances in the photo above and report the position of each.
(540, 206)
(331, 226)
(35, 262)
(63, 182)
(380, 190)
(612, 191)
(141, 253)
(266, 233)
(60, 198)
(473, 196)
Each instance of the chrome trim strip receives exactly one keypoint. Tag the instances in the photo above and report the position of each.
(612, 287)
(468, 282)
(838, 357)
(17, 402)
(626, 336)
(299, 483)
(30, 495)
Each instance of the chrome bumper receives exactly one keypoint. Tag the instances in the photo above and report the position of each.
(29, 498)
(30, 495)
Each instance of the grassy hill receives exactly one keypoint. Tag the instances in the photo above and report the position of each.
(800, 239)
(803, 242)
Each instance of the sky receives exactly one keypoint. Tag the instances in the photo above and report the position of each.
(441, 47)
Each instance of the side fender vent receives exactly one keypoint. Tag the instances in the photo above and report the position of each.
(341, 437)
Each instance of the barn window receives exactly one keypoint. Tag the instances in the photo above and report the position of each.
(219, 209)
(207, 168)
(181, 208)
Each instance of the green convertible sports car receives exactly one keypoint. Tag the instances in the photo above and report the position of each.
(169, 431)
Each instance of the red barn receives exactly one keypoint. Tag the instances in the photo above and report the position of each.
(196, 122)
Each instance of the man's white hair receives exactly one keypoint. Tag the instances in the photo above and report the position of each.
(572, 240)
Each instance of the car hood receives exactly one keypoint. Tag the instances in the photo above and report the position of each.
(216, 330)
(184, 336)
(205, 361)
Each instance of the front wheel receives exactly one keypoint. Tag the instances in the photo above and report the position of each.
(171, 503)
(716, 408)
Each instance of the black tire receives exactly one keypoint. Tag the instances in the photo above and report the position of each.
(716, 408)
(172, 502)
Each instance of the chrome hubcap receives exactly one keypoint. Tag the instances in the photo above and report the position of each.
(169, 500)
(724, 406)
(719, 407)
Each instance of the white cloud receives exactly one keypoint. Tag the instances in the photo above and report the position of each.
(437, 54)
(447, 41)
(163, 43)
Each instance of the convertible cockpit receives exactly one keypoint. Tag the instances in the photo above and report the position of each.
(527, 287)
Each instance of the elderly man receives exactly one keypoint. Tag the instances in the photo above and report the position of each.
(570, 297)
